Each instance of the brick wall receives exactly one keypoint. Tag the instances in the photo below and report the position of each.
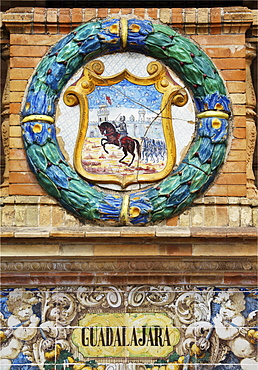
(220, 32)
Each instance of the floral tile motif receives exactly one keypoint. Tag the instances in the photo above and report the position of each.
(129, 327)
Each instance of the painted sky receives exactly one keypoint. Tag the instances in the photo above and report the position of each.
(126, 94)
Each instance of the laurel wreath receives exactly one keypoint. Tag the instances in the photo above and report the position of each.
(196, 171)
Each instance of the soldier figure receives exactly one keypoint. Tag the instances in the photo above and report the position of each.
(122, 129)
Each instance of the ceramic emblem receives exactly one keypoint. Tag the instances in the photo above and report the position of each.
(146, 150)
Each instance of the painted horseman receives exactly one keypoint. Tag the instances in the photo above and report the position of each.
(122, 129)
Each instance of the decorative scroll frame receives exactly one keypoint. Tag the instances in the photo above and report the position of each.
(181, 187)
(171, 94)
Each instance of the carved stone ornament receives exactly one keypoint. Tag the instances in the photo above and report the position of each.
(128, 327)
(176, 184)
(251, 130)
(5, 120)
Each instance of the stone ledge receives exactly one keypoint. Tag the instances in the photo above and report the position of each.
(130, 232)
(206, 200)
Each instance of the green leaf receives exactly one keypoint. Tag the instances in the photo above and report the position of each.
(68, 171)
(164, 29)
(156, 52)
(218, 155)
(211, 85)
(51, 152)
(169, 185)
(86, 30)
(192, 74)
(37, 156)
(222, 89)
(198, 181)
(204, 65)
(48, 185)
(159, 39)
(187, 45)
(44, 65)
(68, 51)
(178, 53)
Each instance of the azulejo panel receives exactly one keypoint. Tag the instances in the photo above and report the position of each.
(127, 327)
(181, 185)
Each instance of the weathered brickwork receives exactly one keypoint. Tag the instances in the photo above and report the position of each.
(221, 33)
(42, 28)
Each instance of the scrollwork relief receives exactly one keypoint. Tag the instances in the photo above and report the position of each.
(207, 326)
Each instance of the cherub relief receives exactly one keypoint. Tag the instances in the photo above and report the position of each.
(231, 326)
(22, 325)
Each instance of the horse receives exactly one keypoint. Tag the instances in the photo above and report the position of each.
(128, 144)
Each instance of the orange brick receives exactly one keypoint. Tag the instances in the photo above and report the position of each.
(24, 51)
(190, 15)
(139, 12)
(15, 131)
(16, 142)
(39, 28)
(219, 40)
(239, 121)
(203, 16)
(19, 166)
(16, 96)
(17, 154)
(239, 133)
(232, 63)
(39, 40)
(15, 120)
(177, 17)
(226, 52)
(227, 190)
(52, 21)
(237, 155)
(89, 13)
(21, 73)
(172, 221)
(215, 15)
(234, 167)
(24, 62)
(238, 144)
(52, 15)
(218, 190)
(102, 12)
(215, 29)
(152, 13)
(16, 85)
(26, 189)
(76, 15)
(64, 15)
(237, 87)
(15, 107)
(114, 10)
(236, 190)
(39, 14)
(239, 110)
(65, 28)
(229, 75)
(222, 216)
(126, 11)
(22, 178)
(232, 179)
